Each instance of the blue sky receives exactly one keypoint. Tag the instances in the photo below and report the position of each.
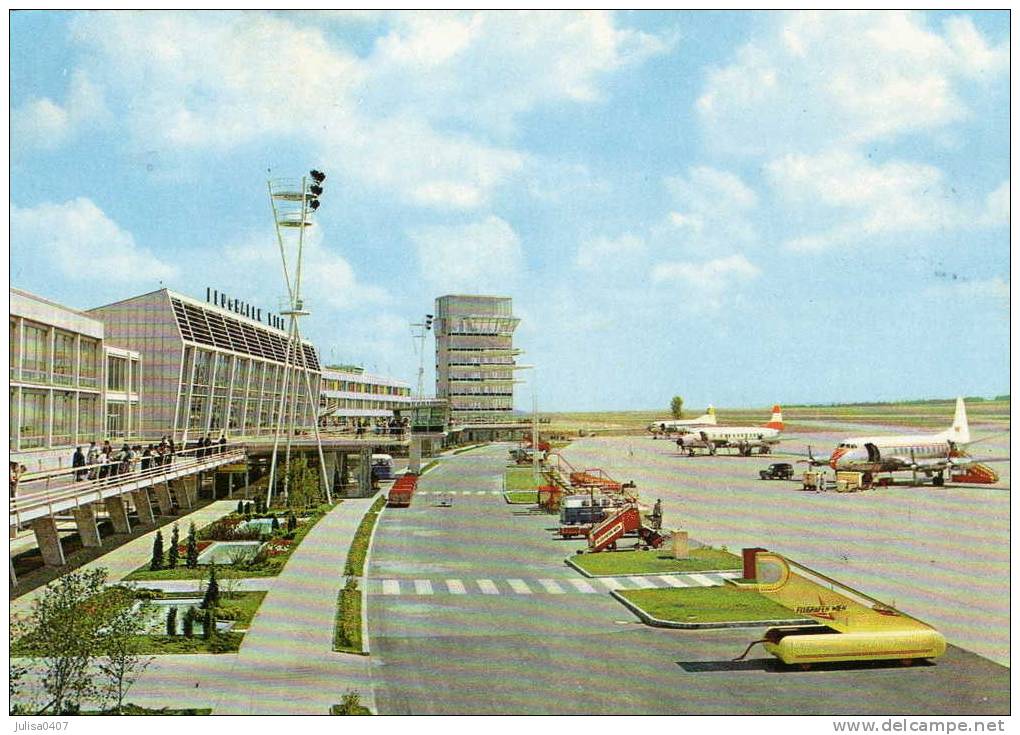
(740, 208)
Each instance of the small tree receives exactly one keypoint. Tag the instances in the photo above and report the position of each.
(192, 548)
(212, 590)
(122, 660)
(171, 622)
(275, 524)
(291, 522)
(63, 633)
(157, 552)
(189, 622)
(240, 507)
(303, 487)
(350, 704)
(208, 624)
(247, 510)
(676, 407)
(173, 555)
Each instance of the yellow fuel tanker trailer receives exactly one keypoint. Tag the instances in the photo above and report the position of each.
(851, 626)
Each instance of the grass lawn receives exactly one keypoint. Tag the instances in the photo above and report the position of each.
(524, 497)
(359, 546)
(347, 628)
(239, 606)
(520, 478)
(428, 467)
(270, 568)
(137, 710)
(347, 624)
(707, 605)
(655, 561)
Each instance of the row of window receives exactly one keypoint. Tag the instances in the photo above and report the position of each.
(352, 386)
(359, 403)
(75, 358)
(239, 395)
(75, 418)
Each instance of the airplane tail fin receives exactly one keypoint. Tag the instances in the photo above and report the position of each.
(959, 432)
(776, 422)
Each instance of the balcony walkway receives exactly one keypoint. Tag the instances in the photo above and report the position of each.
(58, 491)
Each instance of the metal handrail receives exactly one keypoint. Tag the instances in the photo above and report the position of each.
(93, 490)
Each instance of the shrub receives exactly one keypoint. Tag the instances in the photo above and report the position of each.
(189, 623)
(191, 558)
(276, 524)
(240, 508)
(171, 622)
(173, 552)
(212, 590)
(208, 624)
(157, 552)
(350, 704)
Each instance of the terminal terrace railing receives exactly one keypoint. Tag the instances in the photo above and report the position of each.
(56, 491)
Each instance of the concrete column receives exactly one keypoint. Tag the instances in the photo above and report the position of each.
(190, 484)
(118, 514)
(365, 472)
(163, 501)
(144, 507)
(181, 493)
(414, 457)
(88, 529)
(49, 540)
(345, 477)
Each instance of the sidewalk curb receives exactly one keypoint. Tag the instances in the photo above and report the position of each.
(570, 563)
(659, 623)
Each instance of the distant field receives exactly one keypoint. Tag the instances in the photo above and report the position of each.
(929, 414)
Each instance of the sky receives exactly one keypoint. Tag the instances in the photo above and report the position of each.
(736, 207)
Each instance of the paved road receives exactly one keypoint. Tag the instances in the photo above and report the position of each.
(545, 652)
(941, 554)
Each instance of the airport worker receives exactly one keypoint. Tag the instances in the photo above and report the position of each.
(78, 460)
(15, 478)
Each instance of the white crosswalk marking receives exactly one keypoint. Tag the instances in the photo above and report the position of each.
(583, 586)
(488, 587)
(518, 586)
(641, 583)
(390, 587)
(702, 580)
(482, 492)
(673, 581)
(717, 579)
(611, 583)
(456, 587)
(551, 587)
(422, 587)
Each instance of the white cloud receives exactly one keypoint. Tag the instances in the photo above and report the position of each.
(863, 199)
(474, 257)
(328, 280)
(707, 284)
(610, 254)
(78, 240)
(810, 80)
(712, 209)
(421, 114)
(997, 206)
(42, 123)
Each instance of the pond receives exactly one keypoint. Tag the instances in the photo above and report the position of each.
(226, 552)
(155, 622)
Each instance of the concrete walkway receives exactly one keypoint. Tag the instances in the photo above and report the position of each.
(123, 560)
(286, 665)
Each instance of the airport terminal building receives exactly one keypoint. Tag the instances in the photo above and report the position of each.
(350, 394)
(209, 369)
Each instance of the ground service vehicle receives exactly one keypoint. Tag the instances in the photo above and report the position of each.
(578, 513)
(402, 491)
(382, 467)
(777, 471)
(850, 625)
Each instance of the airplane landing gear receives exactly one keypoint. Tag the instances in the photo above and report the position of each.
(940, 480)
